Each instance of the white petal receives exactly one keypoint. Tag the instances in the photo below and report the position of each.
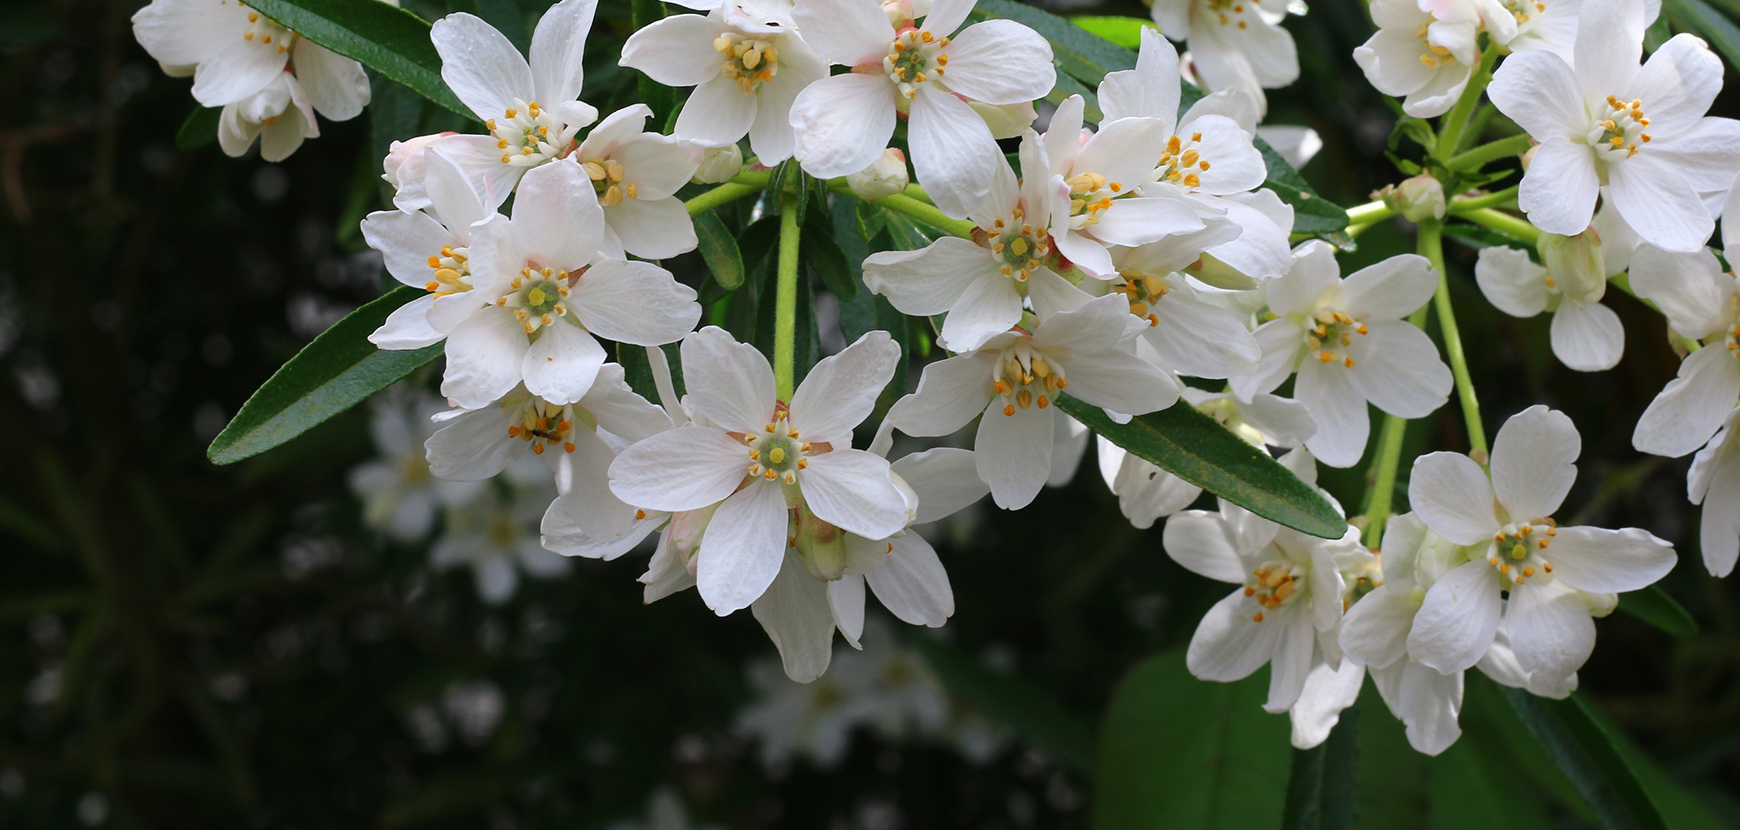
(1332, 394)
(1397, 368)
(1391, 289)
(716, 112)
(1228, 645)
(843, 123)
(1511, 281)
(950, 393)
(847, 32)
(1014, 453)
(483, 359)
(1150, 90)
(945, 479)
(557, 217)
(988, 307)
(1292, 661)
(1375, 630)
(953, 152)
(561, 363)
(1204, 544)
(1327, 691)
(840, 391)
(473, 446)
(238, 70)
(795, 614)
(743, 548)
(1659, 201)
(846, 603)
(931, 279)
(635, 302)
(1550, 630)
(687, 468)
(1692, 406)
(670, 51)
(729, 382)
(913, 584)
(336, 86)
(1691, 289)
(1608, 561)
(1201, 340)
(1453, 496)
(408, 327)
(1558, 191)
(1539, 91)
(1425, 701)
(1533, 462)
(558, 48)
(947, 15)
(854, 490)
(1119, 382)
(999, 62)
(1458, 619)
(481, 66)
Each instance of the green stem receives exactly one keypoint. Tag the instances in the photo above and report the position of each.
(744, 184)
(785, 299)
(1383, 478)
(1432, 246)
(922, 211)
(1454, 123)
(1497, 198)
(1515, 145)
(1476, 126)
(1502, 222)
(1370, 212)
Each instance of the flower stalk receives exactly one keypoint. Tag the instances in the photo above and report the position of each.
(1431, 242)
(743, 184)
(1514, 145)
(785, 298)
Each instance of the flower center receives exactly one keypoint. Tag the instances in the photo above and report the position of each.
(537, 296)
(749, 61)
(1019, 246)
(1143, 290)
(452, 271)
(1275, 585)
(1619, 132)
(778, 452)
(1519, 551)
(1332, 335)
(1022, 379)
(1228, 12)
(914, 58)
(529, 135)
(606, 176)
(1089, 196)
(1182, 161)
(1523, 10)
(1432, 55)
(545, 424)
(268, 32)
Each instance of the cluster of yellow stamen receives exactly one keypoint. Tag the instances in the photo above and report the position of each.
(1024, 379)
(1621, 133)
(750, 62)
(914, 58)
(537, 296)
(545, 424)
(1182, 161)
(778, 452)
(1229, 12)
(1516, 552)
(1143, 290)
(1272, 586)
(1333, 333)
(1520, 9)
(268, 32)
(452, 271)
(607, 179)
(1433, 55)
(1018, 245)
(1089, 196)
(528, 135)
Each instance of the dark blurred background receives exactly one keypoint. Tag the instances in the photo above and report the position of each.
(183, 645)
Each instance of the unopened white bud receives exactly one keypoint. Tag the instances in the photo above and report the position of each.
(886, 177)
(1575, 263)
(393, 166)
(719, 164)
(1418, 199)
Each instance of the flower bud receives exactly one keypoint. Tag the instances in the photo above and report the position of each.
(402, 152)
(822, 546)
(1575, 265)
(719, 164)
(886, 177)
(1418, 199)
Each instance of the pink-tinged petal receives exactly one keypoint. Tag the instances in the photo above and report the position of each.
(687, 468)
(483, 359)
(557, 217)
(795, 613)
(1204, 544)
(742, 549)
(1692, 406)
(716, 113)
(481, 66)
(1608, 561)
(652, 228)
(730, 383)
(854, 490)
(950, 393)
(843, 123)
(1458, 619)
(1660, 201)
(562, 363)
(840, 391)
(406, 241)
(1533, 462)
(912, 584)
(1397, 368)
(1512, 282)
(999, 62)
(1013, 453)
(847, 32)
(1333, 396)
(1550, 630)
(480, 160)
(953, 152)
(408, 327)
(336, 86)
(676, 51)
(1452, 495)
(558, 48)
(1558, 191)
(931, 279)
(474, 446)
(1228, 645)
(988, 307)
(1391, 289)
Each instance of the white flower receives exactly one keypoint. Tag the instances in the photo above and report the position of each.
(1586, 335)
(236, 52)
(531, 109)
(843, 122)
(542, 291)
(1013, 377)
(797, 457)
(1556, 577)
(496, 536)
(1714, 482)
(1641, 132)
(279, 115)
(746, 76)
(1236, 46)
(428, 249)
(1288, 603)
(400, 497)
(1551, 25)
(1419, 55)
(403, 168)
(718, 164)
(636, 175)
(1350, 346)
(1181, 330)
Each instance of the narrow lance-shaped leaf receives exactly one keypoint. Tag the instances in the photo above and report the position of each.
(1083, 55)
(384, 38)
(1123, 31)
(1199, 450)
(719, 249)
(1324, 780)
(1586, 754)
(199, 129)
(1654, 606)
(330, 375)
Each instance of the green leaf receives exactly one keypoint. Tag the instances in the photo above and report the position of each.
(199, 129)
(1199, 450)
(1656, 607)
(1030, 711)
(386, 39)
(330, 375)
(1312, 213)
(718, 246)
(1585, 752)
(1121, 31)
(1712, 25)
(824, 257)
(1180, 753)
(1324, 780)
(1480, 236)
(1079, 53)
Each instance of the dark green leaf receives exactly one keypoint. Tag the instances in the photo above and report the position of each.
(1585, 752)
(1312, 213)
(1199, 450)
(658, 97)
(330, 375)
(1712, 25)
(1082, 55)
(718, 246)
(1480, 236)
(1023, 707)
(825, 258)
(388, 40)
(1654, 606)
(199, 129)
(1324, 780)
(1120, 31)
(1178, 753)
(395, 113)
(1067, 86)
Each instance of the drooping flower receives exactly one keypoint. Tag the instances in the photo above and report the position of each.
(636, 175)
(496, 536)
(1236, 45)
(234, 52)
(1421, 56)
(279, 115)
(1586, 335)
(746, 74)
(1638, 131)
(926, 72)
(1350, 346)
(1714, 482)
(797, 455)
(1556, 577)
